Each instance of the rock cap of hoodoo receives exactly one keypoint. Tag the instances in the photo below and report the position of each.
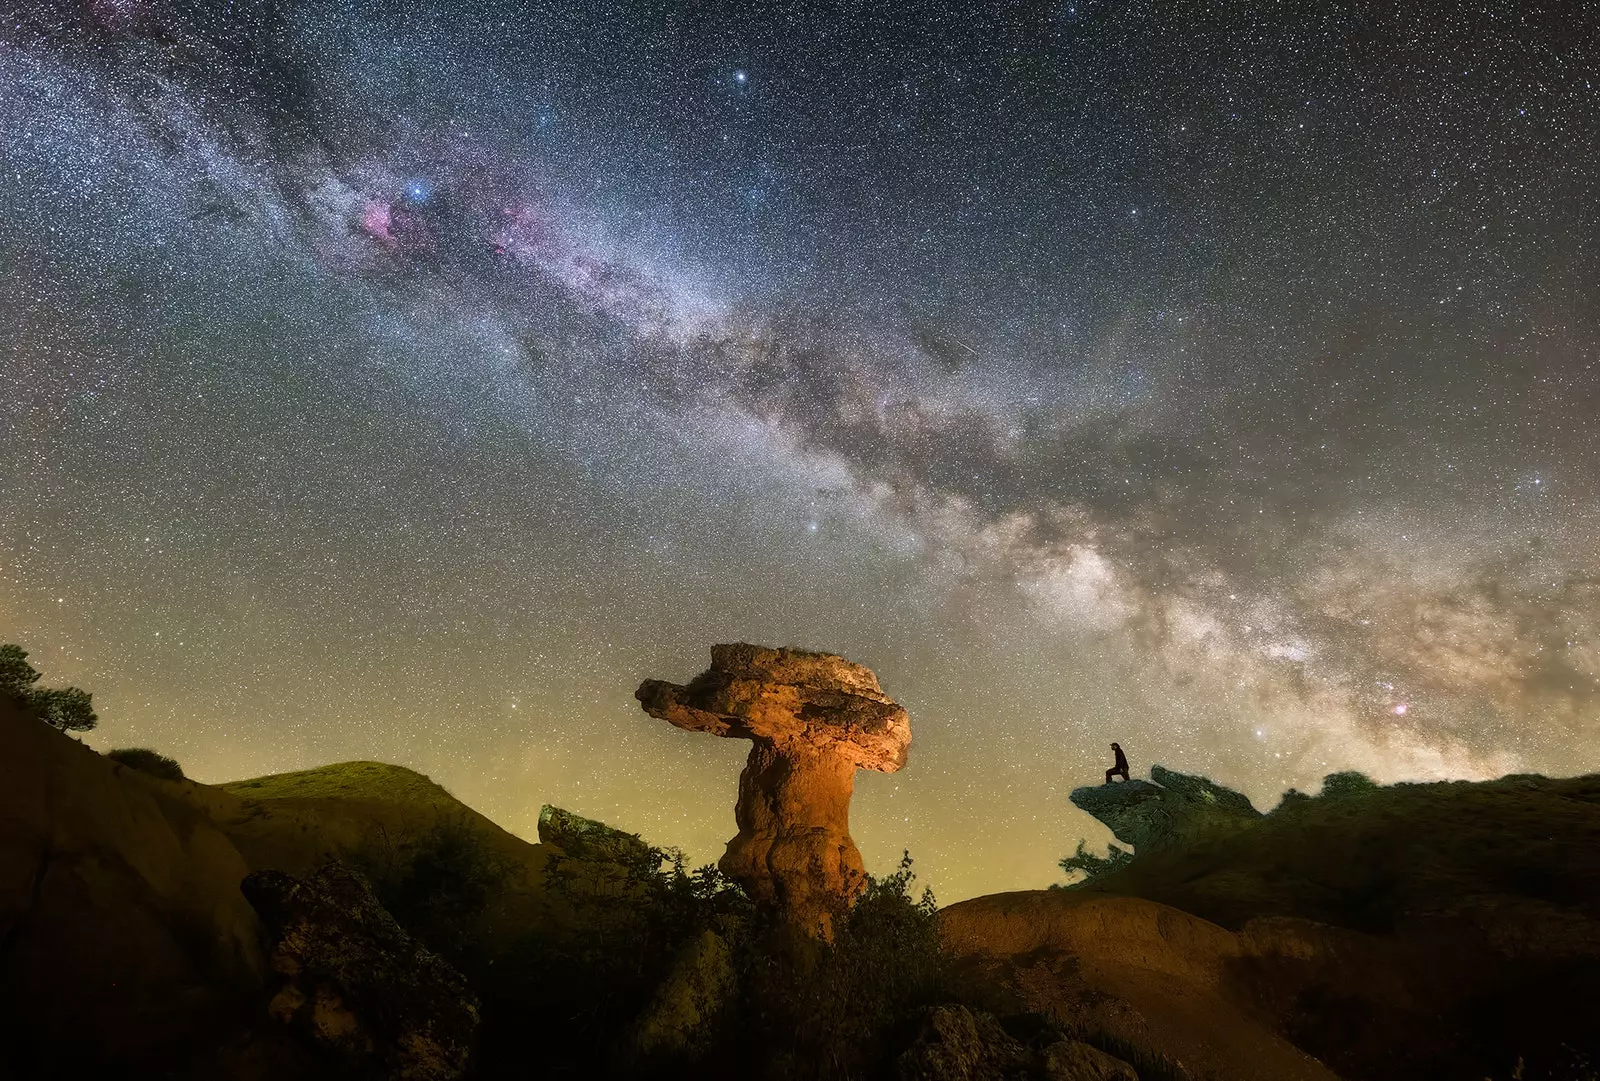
(788, 696)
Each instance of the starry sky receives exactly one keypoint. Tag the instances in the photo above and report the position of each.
(407, 382)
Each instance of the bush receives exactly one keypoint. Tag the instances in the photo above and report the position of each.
(623, 911)
(819, 1012)
(1093, 867)
(147, 761)
(1291, 799)
(66, 708)
(1348, 783)
(438, 885)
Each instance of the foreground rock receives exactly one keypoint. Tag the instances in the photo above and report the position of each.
(1143, 975)
(814, 719)
(682, 1018)
(958, 1044)
(1170, 807)
(355, 983)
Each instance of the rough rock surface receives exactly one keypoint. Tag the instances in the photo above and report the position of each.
(585, 839)
(356, 983)
(814, 719)
(1170, 807)
(682, 1017)
(958, 1044)
(1072, 1060)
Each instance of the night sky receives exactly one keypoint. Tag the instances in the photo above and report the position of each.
(406, 384)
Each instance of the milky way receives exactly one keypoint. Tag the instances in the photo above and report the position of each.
(410, 385)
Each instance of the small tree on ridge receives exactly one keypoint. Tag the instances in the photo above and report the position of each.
(66, 708)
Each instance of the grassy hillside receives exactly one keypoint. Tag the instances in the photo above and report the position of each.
(382, 817)
(373, 781)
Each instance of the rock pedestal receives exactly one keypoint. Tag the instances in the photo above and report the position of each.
(814, 719)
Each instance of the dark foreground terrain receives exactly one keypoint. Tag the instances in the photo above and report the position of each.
(357, 921)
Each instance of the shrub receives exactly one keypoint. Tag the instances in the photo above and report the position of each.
(66, 708)
(437, 885)
(1291, 799)
(796, 1008)
(841, 1011)
(147, 761)
(622, 914)
(1092, 867)
(1348, 783)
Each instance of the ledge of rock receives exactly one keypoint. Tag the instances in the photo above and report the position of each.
(1170, 806)
(586, 839)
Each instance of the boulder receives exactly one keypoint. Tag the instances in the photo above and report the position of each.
(958, 1044)
(814, 719)
(1074, 1060)
(682, 1017)
(1183, 993)
(355, 983)
(585, 839)
(1170, 807)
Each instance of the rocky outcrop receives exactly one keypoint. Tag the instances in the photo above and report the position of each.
(586, 839)
(1171, 806)
(814, 719)
(958, 1044)
(354, 982)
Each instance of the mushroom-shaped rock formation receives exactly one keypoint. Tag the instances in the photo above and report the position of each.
(814, 719)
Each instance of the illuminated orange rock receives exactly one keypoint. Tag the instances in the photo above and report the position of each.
(814, 719)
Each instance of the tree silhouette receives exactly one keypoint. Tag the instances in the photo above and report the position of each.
(66, 708)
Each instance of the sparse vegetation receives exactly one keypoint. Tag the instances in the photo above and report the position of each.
(437, 885)
(148, 761)
(798, 1008)
(347, 780)
(1348, 783)
(841, 1011)
(1088, 866)
(66, 708)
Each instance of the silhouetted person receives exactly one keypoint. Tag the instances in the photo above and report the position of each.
(1121, 767)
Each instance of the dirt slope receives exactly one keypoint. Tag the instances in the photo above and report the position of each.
(120, 910)
(1139, 971)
